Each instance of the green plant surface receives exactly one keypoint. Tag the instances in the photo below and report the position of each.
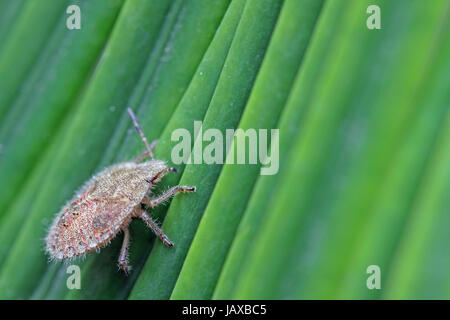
(84, 139)
(234, 94)
(9, 12)
(422, 246)
(406, 171)
(262, 110)
(280, 211)
(369, 175)
(289, 124)
(337, 166)
(53, 284)
(54, 287)
(38, 113)
(414, 274)
(23, 44)
(363, 120)
(171, 79)
(162, 266)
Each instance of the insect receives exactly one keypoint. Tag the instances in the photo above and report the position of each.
(107, 203)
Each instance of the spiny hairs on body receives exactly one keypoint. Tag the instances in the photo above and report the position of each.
(106, 204)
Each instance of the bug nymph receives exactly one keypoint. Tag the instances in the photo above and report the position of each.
(107, 203)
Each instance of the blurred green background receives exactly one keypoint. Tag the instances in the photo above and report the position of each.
(364, 144)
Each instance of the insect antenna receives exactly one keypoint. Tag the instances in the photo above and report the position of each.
(139, 130)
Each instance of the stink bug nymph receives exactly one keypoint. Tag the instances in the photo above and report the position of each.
(107, 203)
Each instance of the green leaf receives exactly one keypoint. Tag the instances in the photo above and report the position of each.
(277, 75)
(84, 139)
(168, 84)
(197, 277)
(38, 113)
(9, 12)
(161, 270)
(22, 45)
(363, 118)
(340, 159)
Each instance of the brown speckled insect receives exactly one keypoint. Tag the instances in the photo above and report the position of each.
(107, 203)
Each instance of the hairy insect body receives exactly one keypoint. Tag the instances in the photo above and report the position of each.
(103, 206)
(106, 204)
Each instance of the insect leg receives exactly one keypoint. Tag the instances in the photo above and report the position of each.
(160, 175)
(153, 202)
(123, 257)
(155, 228)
